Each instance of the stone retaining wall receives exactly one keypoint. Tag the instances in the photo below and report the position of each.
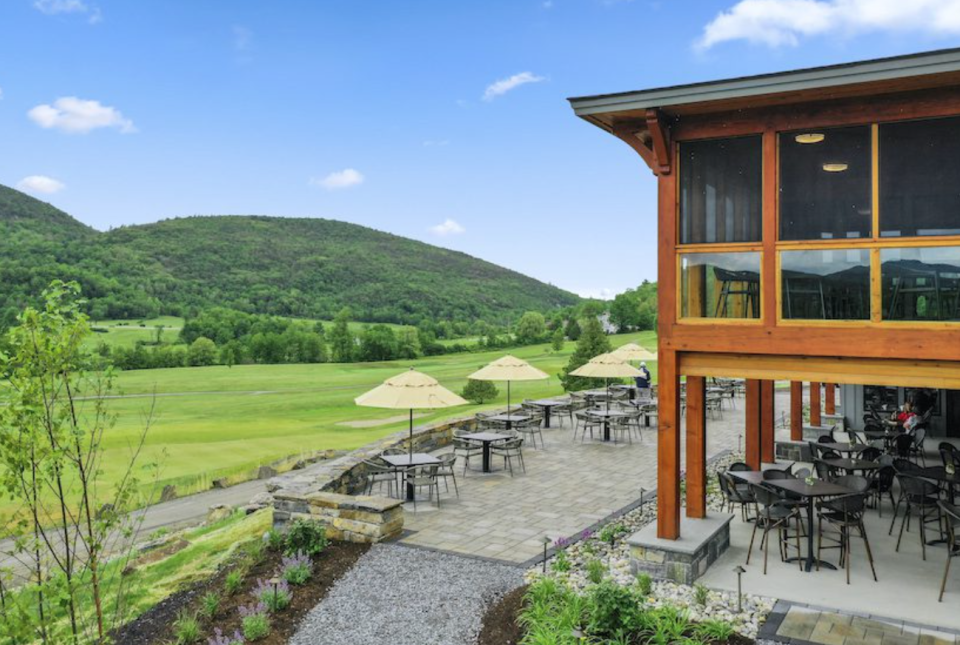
(347, 475)
(351, 518)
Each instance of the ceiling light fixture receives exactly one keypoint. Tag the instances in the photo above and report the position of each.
(835, 167)
(810, 137)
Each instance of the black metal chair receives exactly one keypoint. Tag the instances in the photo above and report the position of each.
(883, 485)
(774, 513)
(424, 477)
(952, 516)
(466, 449)
(739, 466)
(871, 454)
(378, 474)
(845, 513)
(446, 471)
(510, 450)
(922, 495)
(736, 495)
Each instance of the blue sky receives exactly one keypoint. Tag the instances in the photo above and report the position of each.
(444, 120)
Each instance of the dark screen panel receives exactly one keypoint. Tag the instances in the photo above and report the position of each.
(825, 184)
(720, 193)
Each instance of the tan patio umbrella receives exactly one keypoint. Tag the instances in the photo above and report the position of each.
(607, 366)
(409, 391)
(633, 352)
(509, 368)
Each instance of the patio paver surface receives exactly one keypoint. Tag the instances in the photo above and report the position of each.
(803, 624)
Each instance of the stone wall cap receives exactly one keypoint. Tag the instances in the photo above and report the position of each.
(353, 502)
(694, 534)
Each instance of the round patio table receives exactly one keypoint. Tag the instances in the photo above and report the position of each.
(847, 448)
(508, 419)
(547, 405)
(606, 415)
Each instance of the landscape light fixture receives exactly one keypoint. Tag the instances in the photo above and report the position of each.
(835, 167)
(739, 571)
(810, 137)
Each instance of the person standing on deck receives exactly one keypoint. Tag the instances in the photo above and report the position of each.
(643, 382)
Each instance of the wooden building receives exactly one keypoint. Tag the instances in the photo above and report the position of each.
(809, 230)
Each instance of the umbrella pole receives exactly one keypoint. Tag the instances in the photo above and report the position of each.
(606, 382)
(411, 435)
(508, 398)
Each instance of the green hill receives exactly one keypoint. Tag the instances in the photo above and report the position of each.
(301, 267)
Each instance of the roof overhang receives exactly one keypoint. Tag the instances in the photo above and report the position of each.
(642, 118)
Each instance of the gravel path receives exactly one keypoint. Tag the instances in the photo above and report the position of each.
(398, 595)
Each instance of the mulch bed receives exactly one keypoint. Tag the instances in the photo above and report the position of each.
(499, 623)
(156, 625)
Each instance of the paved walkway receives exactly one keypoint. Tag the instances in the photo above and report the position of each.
(800, 624)
(567, 488)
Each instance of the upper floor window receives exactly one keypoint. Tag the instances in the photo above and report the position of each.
(720, 194)
(825, 184)
(920, 178)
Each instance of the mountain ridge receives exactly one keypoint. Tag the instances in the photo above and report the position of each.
(292, 266)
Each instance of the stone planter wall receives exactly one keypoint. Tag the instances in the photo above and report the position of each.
(701, 542)
(347, 475)
(351, 518)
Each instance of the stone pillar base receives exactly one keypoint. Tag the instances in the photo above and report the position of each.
(701, 542)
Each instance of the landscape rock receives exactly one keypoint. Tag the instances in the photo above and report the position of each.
(262, 499)
(168, 493)
(220, 483)
(218, 512)
(266, 472)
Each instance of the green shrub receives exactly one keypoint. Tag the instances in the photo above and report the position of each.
(297, 569)
(700, 594)
(611, 532)
(479, 392)
(595, 571)
(186, 628)
(560, 562)
(233, 583)
(255, 622)
(209, 604)
(644, 584)
(715, 631)
(256, 551)
(306, 536)
(664, 625)
(275, 540)
(613, 610)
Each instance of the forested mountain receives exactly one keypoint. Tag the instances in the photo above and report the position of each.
(284, 266)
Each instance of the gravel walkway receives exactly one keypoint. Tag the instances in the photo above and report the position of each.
(398, 595)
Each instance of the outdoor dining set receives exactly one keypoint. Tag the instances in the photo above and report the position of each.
(825, 507)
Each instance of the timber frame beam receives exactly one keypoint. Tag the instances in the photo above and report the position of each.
(660, 137)
(650, 138)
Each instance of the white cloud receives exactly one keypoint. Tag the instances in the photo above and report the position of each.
(346, 178)
(78, 116)
(504, 85)
(448, 227)
(602, 293)
(40, 184)
(54, 7)
(776, 23)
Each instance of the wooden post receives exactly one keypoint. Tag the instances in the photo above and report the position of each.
(796, 411)
(767, 422)
(752, 430)
(815, 418)
(696, 446)
(830, 405)
(668, 446)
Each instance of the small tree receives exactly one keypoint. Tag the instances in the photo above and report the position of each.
(593, 342)
(556, 341)
(52, 427)
(202, 352)
(340, 338)
(479, 392)
(573, 329)
(531, 328)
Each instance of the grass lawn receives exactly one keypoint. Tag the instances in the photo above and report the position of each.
(221, 421)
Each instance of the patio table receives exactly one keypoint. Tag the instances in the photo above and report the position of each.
(849, 448)
(631, 390)
(852, 465)
(547, 405)
(508, 419)
(606, 415)
(407, 462)
(486, 438)
(810, 492)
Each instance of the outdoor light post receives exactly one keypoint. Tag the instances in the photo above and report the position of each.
(739, 571)
(546, 541)
(276, 590)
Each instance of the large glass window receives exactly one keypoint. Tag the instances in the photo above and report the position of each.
(825, 285)
(720, 285)
(921, 283)
(920, 178)
(720, 194)
(825, 184)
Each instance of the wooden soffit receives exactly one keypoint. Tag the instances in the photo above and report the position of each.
(849, 371)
